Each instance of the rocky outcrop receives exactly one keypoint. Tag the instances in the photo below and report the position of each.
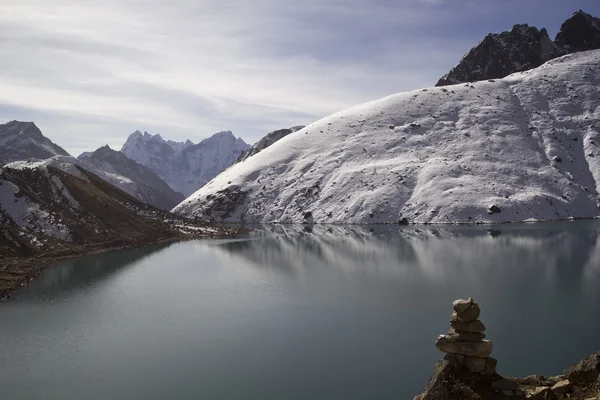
(522, 48)
(266, 141)
(498, 55)
(579, 33)
(467, 372)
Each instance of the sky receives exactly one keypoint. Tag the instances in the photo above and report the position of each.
(90, 73)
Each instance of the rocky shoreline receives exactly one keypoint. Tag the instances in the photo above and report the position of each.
(18, 271)
(467, 372)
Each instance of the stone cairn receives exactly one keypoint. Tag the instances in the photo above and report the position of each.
(465, 339)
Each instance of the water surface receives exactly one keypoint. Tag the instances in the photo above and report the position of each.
(296, 312)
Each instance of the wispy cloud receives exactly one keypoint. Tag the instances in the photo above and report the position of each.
(100, 69)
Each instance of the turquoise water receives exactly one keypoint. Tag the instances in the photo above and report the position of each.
(294, 312)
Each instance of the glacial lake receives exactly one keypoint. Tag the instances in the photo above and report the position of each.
(299, 312)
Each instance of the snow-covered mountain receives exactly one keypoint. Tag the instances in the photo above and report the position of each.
(522, 48)
(266, 141)
(132, 177)
(526, 147)
(23, 140)
(184, 166)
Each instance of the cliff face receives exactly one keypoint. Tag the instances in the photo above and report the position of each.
(499, 55)
(579, 33)
(522, 48)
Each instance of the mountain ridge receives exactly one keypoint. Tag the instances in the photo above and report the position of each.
(145, 185)
(522, 48)
(184, 166)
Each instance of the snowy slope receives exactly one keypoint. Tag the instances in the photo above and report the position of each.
(136, 179)
(23, 140)
(184, 166)
(522, 148)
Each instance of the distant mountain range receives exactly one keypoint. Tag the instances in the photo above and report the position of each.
(522, 48)
(520, 148)
(187, 165)
(184, 166)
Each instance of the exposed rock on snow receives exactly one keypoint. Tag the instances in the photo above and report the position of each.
(184, 166)
(524, 47)
(23, 141)
(266, 141)
(498, 55)
(132, 177)
(453, 152)
(579, 33)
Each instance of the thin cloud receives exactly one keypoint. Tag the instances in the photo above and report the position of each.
(186, 69)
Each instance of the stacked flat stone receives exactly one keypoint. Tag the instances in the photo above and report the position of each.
(465, 339)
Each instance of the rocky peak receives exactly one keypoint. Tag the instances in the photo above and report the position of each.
(24, 140)
(579, 33)
(522, 48)
(267, 141)
(498, 55)
(104, 152)
(185, 166)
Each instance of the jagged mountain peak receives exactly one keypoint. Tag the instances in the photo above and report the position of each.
(522, 48)
(185, 166)
(579, 32)
(501, 54)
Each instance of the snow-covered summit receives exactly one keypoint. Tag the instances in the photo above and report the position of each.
(526, 147)
(23, 140)
(185, 166)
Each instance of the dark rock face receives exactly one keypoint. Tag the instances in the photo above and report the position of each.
(24, 141)
(450, 380)
(498, 55)
(586, 371)
(522, 48)
(579, 33)
(267, 141)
